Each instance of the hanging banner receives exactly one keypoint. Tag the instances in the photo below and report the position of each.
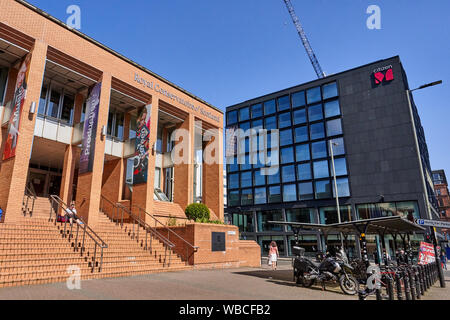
(20, 93)
(142, 146)
(426, 253)
(90, 130)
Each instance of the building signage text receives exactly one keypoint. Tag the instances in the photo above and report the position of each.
(383, 74)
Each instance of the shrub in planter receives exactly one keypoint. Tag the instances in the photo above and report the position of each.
(197, 212)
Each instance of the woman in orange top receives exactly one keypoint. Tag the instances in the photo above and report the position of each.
(273, 254)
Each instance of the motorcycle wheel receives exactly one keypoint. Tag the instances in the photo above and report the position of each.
(306, 283)
(349, 284)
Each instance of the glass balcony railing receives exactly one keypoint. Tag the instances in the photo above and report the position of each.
(77, 136)
(129, 148)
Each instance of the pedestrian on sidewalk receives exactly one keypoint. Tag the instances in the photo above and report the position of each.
(273, 254)
(444, 259)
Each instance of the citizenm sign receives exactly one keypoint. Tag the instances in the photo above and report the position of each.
(383, 74)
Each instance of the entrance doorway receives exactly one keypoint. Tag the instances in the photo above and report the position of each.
(44, 183)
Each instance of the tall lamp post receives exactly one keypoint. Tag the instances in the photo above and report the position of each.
(433, 231)
(331, 143)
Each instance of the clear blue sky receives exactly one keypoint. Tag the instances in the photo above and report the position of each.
(229, 51)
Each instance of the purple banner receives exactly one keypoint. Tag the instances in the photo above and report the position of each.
(90, 130)
(142, 146)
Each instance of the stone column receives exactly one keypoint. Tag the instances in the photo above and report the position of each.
(90, 184)
(14, 171)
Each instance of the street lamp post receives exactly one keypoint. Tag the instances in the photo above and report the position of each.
(331, 143)
(427, 204)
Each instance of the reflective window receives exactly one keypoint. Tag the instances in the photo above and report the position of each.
(257, 110)
(42, 100)
(244, 222)
(284, 120)
(260, 196)
(334, 127)
(245, 164)
(53, 104)
(288, 174)
(273, 157)
(233, 198)
(274, 194)
(246, 179)
(246, 197)
(269, 107)
(305, 191)
(332, 109)
(315, 112)
(283, 103)
(301, 134)
(244, 114)
(245, 126)
(319, 149)
(302, 152)
(233, 181)
(257, 124)
(304, 171)
(320, 169)
(270, 215)
(289, 193)
(232, 164)
(232, 117)
(329, 90)
(340, 165)
(259, 179)
(298, 99)
(338, 146)
(317, 131)
(273, 178)
(299, 116)
(285, 137)
(323, 189)
(328, 215)
(303, 215)
(287, 155)
(270, 123)
(313, 95)
(409, 210)
(343, 188)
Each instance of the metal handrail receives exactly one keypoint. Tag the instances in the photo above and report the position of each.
(118, 217)
(27, 196)
(56, 201)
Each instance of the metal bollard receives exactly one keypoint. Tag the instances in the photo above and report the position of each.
(412, 283)
(418, 289)
(406, 284)
(422, 283)
(390, 288)
(398, 286)
(427, 276)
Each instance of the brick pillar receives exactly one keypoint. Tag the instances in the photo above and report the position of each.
(70, 157)
(14, 171)
(184, 172)
(212, 195)
(142, 195)
(126, 126)
(79, 100)
(90, 184)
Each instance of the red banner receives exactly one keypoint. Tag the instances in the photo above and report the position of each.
(426, 253)
(20, 93)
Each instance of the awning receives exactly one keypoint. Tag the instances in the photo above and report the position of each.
(386, 225)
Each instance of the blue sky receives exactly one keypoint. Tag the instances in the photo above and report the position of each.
(229, 51)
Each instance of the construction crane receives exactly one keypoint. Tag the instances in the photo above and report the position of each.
(306, 44)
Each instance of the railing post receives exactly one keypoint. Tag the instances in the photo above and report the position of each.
(84, 236)
(76, 238)
(146, 233)
(101, 261)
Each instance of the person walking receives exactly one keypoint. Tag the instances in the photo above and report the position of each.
(273, 254)
(444, 259)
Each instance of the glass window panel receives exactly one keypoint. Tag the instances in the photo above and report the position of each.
(284, 120)
(257, 110)
(246, 179)
(246, 197)
(232, 164)
(315, 112)
(260, 196)
(245, 126)
(343, 188)
(285, 137)
(288, 174)
(320, 169)
(289, 193)
(283, 103)
(273, 157)
(305, 191)
(408, 210)
(270, 123)
(257, 124)
(304, 171)
(133, 127)
(110, 123)
(308, 242)
(299, 116)
(313, 95)
(332, 109)
(118, 130)
(257, 161)
(42, 100)
(330, 90)
(302, 152)
(319, 149)
(269, 107)
(259, 179)
(233, 198)
(244, 114)
(246, 165)
(232, 117)
(328, 215)
(274, 194)
(287, 155)
(270, 215)
(53, 104)
(340, 165)
(274, 178)
(338, 146)
(334, 127)
(301, 134)
(303, 215)
(365, 211)
(233, 181)
(298, 99)
(317, 131)
(323, 189)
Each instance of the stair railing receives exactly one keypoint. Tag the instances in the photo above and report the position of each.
(170, 232)
(28, 200)
(78, 233)
(123, 217)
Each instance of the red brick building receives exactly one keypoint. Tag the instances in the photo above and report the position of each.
(442, 194)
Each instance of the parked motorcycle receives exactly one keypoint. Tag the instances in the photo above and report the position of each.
(336, 269)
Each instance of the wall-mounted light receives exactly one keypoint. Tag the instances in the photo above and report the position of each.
(33, 107)
(103, 131)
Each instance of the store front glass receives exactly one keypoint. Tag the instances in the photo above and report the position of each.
(309, 242)
(264, 242)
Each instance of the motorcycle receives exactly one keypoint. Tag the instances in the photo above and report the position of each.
(336, 269)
